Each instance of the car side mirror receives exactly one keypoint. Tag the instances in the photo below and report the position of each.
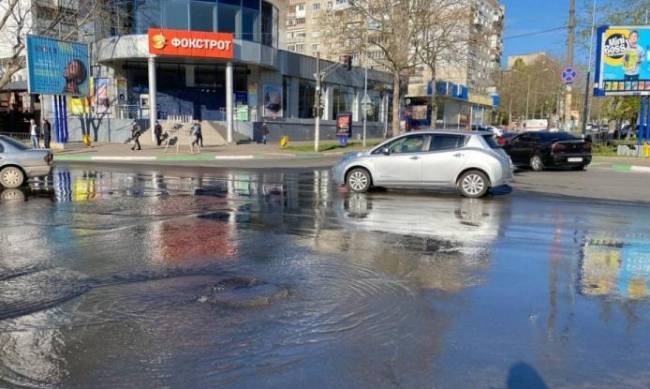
(385, 151)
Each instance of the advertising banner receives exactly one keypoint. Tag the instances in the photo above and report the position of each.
(183, 43)
(623, 61)
(56, 67)
(272, 101)
(102, 103)
(344, 124)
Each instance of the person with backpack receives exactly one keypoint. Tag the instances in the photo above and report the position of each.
(47, 133)
(135, 137)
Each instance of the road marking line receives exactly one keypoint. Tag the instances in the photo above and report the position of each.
(114, 158)
(233, 157)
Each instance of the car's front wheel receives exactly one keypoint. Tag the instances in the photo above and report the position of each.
(473, 184)
(11, 177)
(358, 180)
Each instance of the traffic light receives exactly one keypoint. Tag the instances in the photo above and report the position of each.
(346, 60)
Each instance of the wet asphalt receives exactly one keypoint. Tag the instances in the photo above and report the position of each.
(144, 277)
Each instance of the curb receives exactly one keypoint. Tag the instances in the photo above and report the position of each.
(630, 168)
(187, 158)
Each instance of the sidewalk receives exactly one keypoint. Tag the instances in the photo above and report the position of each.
(623, 164)
(209, 156)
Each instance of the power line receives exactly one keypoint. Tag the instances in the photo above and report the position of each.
(536, 33)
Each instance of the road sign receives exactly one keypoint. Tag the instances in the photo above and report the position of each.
(569, 75)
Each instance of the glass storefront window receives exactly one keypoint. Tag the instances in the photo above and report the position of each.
(147, 15)
(228, 17)
(342, 99)
(306, 98)
(250, 21)
(202, 16)
(267, 24)
(175, 15)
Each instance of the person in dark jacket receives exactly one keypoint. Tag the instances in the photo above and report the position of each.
(47, 133)
(157, 129)
(135, 137)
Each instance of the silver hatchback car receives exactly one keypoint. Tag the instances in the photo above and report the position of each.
(470, 161)
(18, 162)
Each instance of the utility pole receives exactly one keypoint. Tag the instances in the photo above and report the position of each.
(317, 104)
(569, 59)
(586, 111)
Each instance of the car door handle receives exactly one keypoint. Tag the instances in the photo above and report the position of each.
(458, 155)
(415, 157)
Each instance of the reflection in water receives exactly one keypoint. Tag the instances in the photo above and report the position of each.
(617, 266)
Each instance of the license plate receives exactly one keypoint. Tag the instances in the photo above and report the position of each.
(577, 159)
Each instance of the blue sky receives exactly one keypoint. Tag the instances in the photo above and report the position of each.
(528, 16)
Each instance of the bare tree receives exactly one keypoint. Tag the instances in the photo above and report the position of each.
(444, 38)
(380, 31)
(62, 19)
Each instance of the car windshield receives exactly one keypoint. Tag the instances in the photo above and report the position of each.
(489, 139)
(13, 143)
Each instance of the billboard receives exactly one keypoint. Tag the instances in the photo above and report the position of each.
(183, 43)
(272, 101)
(57, 67)
(622, 61)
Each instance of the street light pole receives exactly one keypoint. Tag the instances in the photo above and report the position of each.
(586, 111)
(317, 104)
(365, 103)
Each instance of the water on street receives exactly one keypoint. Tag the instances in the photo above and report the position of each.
(122, 277)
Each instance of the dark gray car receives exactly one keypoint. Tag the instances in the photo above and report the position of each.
(18, 162)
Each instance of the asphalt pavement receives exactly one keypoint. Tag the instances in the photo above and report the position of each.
(153, 276)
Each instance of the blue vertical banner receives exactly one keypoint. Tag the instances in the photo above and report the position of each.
(57, 67)
(647, 122)
(642, 119)
(64, 117)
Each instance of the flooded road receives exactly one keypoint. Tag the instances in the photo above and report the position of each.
(117, 278)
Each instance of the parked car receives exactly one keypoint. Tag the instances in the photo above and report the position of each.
(541, 149)
(472, 162)
(18, 162)
(505, 137)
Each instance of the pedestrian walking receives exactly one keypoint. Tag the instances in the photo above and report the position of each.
(135, 137)
(34, 133)
(158, 132)
(196, 133)
(47, 133)
(200, 134)
(265, 132)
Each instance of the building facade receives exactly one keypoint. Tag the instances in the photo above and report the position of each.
(219, 60)
(467, 89)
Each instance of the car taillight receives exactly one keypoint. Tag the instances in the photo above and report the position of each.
(558, 147)
(501, 140)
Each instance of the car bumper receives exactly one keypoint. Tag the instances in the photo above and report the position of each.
(571, 159)
(37, 171)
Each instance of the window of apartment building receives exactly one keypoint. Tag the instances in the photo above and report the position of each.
(300, 48)
(329, 5)
(315, 6)
(301, 34)
(314, 47)
(341, 1)
(300, 7)
(300, 21)
(291, 47)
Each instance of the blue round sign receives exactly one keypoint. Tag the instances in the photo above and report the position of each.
(569, 75)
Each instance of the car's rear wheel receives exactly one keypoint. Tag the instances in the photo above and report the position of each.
(473, 184)
(536, 163)
(11, 177)
(358, 180)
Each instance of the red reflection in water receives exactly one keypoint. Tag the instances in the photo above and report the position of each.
(197, 239)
